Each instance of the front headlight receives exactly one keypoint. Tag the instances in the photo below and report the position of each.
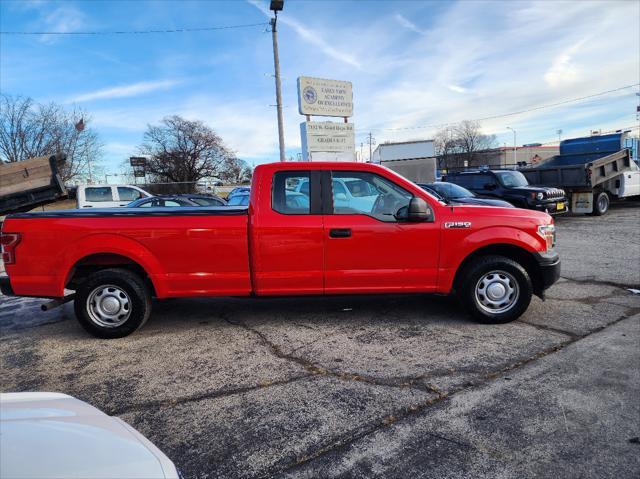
(548, 234)
(540, 195)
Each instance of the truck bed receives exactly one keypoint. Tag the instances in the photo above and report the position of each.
(583, 176)
(201, 251)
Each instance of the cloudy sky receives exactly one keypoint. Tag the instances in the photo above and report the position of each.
(414, 65)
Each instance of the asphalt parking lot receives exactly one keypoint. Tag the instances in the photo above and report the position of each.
(372, 386)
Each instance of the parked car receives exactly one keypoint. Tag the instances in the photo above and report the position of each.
(172, 201)
(350, 193)
(108, 196)
(239, 189)
(455, 194)
(513, 187)
(285, 243)
(238, 199)
(47, 435)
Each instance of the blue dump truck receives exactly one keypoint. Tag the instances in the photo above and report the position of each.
(593, 171)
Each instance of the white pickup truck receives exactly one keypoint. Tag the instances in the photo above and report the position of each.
(108, 196)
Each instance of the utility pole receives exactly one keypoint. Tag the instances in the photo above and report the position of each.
(515, 148)
(277, 6)
(559, 132)
(372, 141)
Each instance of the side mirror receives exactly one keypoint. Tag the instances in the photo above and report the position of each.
(416, 211)
(489, 186)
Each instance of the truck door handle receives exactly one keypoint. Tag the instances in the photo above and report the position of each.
(340, 233)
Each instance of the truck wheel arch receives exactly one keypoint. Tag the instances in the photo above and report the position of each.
(93, 263)
(97, 252)
(516, 253)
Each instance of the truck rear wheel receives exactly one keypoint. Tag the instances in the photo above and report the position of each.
(495, 289)
(112, 303)
(601, 203)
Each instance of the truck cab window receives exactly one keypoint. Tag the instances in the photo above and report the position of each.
(98, 194)
(128, 194)
(363, 193)
(287, 196)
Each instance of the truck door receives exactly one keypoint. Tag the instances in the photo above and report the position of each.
(287, 235)
(127, 194)
(366, 248)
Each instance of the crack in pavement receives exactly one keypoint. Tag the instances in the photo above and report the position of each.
(168, 403)
(317, 370)
(551, 329)
(409, 411)
(597, 282)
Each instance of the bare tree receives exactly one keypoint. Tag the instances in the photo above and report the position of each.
(461, 143)
(471, 139)
(237, 172)
(184, 151)
(28, 129)
(447, 147)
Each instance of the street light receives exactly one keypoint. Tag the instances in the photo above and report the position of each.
(277, 6)
(515, 150)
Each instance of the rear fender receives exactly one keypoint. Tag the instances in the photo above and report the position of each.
(113, 244)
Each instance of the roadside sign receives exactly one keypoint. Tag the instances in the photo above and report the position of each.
(138, 164)
(327, 137)
(323, 97)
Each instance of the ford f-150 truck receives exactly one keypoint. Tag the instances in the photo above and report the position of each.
(405, 241)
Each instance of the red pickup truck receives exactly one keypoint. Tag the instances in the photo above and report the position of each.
(309, 229)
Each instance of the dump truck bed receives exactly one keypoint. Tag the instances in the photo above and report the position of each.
(27, 184)
(582, 175)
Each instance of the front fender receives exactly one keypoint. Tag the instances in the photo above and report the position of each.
(458, 249)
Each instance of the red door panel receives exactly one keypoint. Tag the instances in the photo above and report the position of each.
(380, 256)
(286, 240)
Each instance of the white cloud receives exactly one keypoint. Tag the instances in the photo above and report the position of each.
(563, 70)
(507, 60)
(63, 19)
(135, 89)
(406, 23)
(457, 89)
(310, 36)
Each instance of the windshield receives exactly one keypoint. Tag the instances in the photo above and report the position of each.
(450, 190)
(511, 179)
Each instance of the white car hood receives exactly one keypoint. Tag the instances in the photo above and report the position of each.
(51, 435)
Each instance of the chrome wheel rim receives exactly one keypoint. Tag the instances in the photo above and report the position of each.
(109, 306)
(497, 292)
(603, 203)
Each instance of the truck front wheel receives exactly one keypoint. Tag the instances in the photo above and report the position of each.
(112, 303)
(600, 203)
(495, 289)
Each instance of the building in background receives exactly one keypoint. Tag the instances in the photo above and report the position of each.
(414, 160)
(500, 157)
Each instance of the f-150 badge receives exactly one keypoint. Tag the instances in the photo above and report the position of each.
(457, 224)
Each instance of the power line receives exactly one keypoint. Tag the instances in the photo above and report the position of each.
(143, 32)
(503, 115)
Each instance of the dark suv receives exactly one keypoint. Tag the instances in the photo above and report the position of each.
(511, 186)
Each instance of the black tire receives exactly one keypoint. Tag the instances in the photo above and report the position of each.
(496, 272)
(601, 202)
(122, 293)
